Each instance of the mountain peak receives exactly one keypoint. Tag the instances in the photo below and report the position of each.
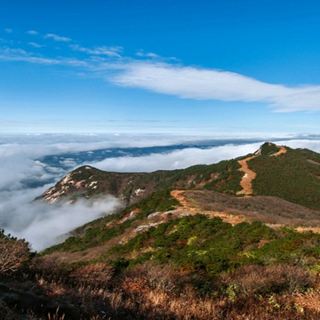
(268, 149)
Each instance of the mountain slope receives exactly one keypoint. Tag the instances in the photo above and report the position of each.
(293, 176)
(212, 190)
(187, 244)
(90, 182)
(290, 174)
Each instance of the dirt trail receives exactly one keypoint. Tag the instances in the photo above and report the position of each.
(228, 217)
(188, 206)
(248, 177)
(281, 151)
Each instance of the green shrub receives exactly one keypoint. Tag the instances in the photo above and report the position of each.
(213, 246)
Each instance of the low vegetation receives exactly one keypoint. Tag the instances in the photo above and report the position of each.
(294, 176)
(212, 246)
(154, 261)
(89, 182)
(104, 229)
(190, 268)
(14, 254)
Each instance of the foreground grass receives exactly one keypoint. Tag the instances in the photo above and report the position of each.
(212, 246)
(189, 268)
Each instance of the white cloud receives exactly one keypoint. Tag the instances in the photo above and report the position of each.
(313, 145)
(32, 32)
(151, 55)
(57, 37)
(35, 45)
(10, 54)
(188, 82)
(114, 52)
(44, 224)
(175, 160)
(211, 84)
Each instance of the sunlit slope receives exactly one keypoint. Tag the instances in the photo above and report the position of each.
(290, 174)
(293, 175)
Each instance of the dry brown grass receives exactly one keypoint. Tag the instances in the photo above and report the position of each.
(253, 279)
(152, 291)
(271, 210)
(13, 254)
(309, 300)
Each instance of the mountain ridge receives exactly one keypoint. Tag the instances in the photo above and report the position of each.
(270, 171)
(173, 197)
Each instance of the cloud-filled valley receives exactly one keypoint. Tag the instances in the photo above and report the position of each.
(44, 224)
(31, 164)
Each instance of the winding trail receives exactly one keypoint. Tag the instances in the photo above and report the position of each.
(188, 208)
(186, 204)
(191, 209)
(248, 177)
(281, 151)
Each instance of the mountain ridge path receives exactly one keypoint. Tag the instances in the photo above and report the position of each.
(249, 174)
(189, 208)
(247, 178)
(193, 209)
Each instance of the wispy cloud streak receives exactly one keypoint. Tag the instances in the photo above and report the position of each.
(57, 37)
(99, 51)
(32, 32)
(151, 72)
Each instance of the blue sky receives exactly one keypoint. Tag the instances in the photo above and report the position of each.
(201, 67)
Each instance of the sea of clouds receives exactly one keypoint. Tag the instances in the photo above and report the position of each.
(24, 175)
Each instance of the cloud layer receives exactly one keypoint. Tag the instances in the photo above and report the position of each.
(43, 224)
(175, 160)
(22, 174)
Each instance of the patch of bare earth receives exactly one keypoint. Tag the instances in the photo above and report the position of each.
(281, 151)
(248, 177)
(273, 211)
(194, 208)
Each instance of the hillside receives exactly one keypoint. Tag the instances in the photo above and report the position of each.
(89, 182)
(178, 262)
(289, 174)
(214, 191)
(235, 240)
(293, 176)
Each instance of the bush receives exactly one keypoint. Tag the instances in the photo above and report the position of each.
(14, 253)
(199, 244)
